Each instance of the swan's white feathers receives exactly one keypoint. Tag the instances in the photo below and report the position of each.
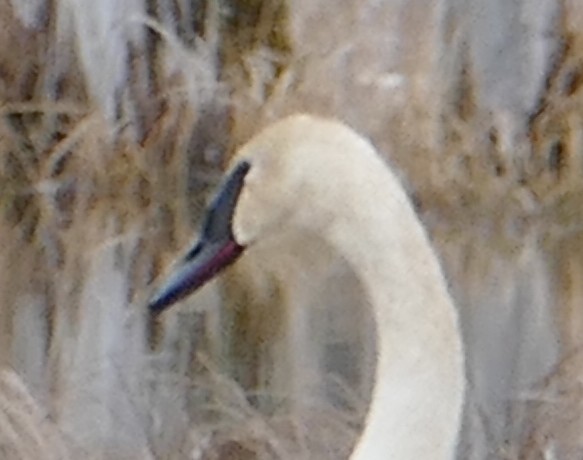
(312, 174)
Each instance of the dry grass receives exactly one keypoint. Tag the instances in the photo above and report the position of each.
(114, 127)
(27, 430)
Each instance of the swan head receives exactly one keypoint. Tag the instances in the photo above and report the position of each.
(269, 189)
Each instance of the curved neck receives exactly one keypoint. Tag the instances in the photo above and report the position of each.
(419, 380)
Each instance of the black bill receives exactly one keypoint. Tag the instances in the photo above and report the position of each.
(215, 250)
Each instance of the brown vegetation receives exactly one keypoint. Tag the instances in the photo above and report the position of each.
(114, 126)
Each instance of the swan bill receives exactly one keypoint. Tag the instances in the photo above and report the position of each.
(215, 250)
(211, 258)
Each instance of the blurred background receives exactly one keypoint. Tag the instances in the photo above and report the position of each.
(116, 120)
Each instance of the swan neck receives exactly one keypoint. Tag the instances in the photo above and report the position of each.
(416, 401)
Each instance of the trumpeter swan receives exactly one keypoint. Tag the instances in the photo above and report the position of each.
(309, 174)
